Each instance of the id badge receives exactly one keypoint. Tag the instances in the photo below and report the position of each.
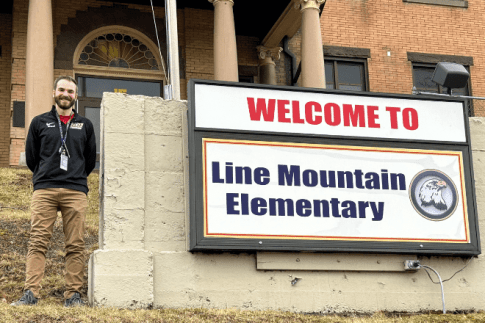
(64, 160)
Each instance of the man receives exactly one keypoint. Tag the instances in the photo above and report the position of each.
(61, 152)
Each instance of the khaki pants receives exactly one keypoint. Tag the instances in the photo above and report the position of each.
(45, 203)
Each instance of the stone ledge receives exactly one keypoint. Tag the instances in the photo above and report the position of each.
(451, 3)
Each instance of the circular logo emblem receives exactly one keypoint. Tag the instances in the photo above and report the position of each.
(433, 195)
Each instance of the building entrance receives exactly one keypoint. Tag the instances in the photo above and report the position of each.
(90, 93)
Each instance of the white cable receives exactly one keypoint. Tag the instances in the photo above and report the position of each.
(441, 283)
(167, 79)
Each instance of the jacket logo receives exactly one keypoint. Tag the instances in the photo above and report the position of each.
(50, 124)
(77, 125)
(433, 195)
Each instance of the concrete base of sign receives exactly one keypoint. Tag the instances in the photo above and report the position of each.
(131, 271)
(143, 259)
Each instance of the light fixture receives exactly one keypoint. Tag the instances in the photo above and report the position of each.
(450, 75)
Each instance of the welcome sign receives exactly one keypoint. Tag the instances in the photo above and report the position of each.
(272, 190)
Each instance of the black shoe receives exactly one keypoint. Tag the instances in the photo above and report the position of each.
(27, 299)
(75, 300)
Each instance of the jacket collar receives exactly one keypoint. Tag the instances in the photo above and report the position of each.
(53, 111)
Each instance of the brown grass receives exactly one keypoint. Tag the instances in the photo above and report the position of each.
(15, 196)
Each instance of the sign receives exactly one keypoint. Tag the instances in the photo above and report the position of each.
(268, 190)
(329, 114)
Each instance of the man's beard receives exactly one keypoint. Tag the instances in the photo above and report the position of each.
(60, 105)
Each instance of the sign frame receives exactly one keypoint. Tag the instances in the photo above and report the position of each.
(199, 242)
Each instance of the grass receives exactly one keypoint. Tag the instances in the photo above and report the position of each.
(15, 196)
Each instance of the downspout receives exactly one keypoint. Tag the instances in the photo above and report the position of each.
(293, 67)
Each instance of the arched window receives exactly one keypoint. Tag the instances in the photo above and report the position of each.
(118, 50)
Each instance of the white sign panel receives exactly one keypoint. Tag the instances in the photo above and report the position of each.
(270, 110)
(276, 190)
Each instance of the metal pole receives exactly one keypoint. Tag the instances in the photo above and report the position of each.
(173, 47)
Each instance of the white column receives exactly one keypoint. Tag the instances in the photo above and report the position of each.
(312, 66)
(39, 63)
(267, 66)
(225, 50)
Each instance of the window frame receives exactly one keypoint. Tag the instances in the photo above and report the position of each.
(336, 59)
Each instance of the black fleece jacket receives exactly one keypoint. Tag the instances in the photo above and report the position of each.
(42, 152)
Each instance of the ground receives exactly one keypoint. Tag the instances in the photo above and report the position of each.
(15, 196)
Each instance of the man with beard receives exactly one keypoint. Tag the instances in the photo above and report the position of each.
(61, 152)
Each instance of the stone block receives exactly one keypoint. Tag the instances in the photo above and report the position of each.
(121, 278)
(123, 189)
(163, 153)
(164, 230)
(125, 151)
(124, 229)
(123, 113)
(165, 190)
(477, 133)
(164, 117)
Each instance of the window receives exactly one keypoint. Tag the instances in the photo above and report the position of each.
(423, 65)
(423, 81)
(346, 74)
(118, 50)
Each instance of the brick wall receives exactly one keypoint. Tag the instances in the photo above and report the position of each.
(5, 75)
(19, 47)
(399, 27)
(199, 39)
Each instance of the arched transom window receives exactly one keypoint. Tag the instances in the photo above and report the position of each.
(118, 50)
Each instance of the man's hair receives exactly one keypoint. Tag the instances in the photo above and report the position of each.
(64, 77)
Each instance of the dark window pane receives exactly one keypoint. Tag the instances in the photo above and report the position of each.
(246, 79)
(95, 87)
(349, 73)
(329, 75)
(423, 82)
(423, 79)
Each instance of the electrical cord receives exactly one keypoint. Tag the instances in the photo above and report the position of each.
(468, 262)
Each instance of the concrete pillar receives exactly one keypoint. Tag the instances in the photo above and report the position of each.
(267, 71)
(39, 63)
(225, 51)
(312, 66)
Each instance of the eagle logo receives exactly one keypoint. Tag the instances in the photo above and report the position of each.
(433, 195)
(430, 193)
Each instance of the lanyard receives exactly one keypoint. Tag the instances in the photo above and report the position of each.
(63, 137)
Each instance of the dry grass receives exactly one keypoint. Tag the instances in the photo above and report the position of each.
(15, 196)
(55, 313)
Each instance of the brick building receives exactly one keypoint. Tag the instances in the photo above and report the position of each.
(368, 45)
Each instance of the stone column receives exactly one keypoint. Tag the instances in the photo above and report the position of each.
(225, 51)
(39, 63)
(312, 66)
(267, 71)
